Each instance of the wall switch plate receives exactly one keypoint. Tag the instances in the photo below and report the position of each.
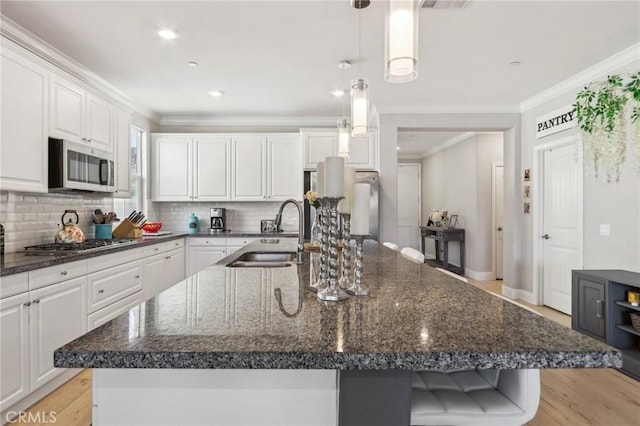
(605, 230)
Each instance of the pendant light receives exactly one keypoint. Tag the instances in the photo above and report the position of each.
(344, 129)
(359, 86)
(401, 41)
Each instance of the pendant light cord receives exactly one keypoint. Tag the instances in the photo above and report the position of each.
(359, 43)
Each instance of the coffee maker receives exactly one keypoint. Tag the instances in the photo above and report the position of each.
(218, 219)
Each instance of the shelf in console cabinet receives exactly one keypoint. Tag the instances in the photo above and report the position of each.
(628, 329)
(627, 305)
(631, 353)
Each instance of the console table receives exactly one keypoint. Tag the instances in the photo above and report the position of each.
(444, 235)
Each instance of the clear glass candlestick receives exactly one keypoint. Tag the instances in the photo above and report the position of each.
(323, 275)
(333, 292)
(357, 289)
(346, 280)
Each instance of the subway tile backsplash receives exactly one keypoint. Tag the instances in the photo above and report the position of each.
(31, 219)
(241, 216)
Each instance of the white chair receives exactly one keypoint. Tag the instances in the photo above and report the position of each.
(476, 397)
(391, 245)
(412, 254)
(456, 276)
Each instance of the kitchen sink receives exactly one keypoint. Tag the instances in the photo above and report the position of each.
(261, 259)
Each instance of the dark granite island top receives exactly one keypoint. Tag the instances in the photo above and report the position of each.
(416, 318)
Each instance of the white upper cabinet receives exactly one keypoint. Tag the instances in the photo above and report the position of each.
(79, 116)
(122, 133)
(321, 143)
(212, 171)
(248, 155)
(284, 165)
(318, 145)
(23, 143)
(172, 168)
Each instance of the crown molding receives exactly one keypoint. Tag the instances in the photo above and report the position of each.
(35, 45)
(505, 109)
(247, 121)
(449, 143)
(577, 81)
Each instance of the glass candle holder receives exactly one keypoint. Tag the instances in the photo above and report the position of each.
(358, 289)
(333, 292)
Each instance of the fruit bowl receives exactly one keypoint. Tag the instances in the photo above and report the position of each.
(152, 227)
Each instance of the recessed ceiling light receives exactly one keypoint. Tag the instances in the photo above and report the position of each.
(168, 34)
(192, 64)
(216, 93)
(338, 93)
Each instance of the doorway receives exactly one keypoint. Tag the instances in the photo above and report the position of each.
(558, 221)
(497, 179)
(409, 205)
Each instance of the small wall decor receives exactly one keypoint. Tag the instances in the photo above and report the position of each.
(608, 114)
(527, 175)
(527, 208)
(527, 191)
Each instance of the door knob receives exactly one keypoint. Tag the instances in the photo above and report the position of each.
(546, 236)
(499, 228)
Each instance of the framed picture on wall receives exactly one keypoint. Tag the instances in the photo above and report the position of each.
(527, 175)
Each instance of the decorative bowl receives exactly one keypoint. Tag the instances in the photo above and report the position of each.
(152, 227)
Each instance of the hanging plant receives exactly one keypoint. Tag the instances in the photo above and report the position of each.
(603, 112)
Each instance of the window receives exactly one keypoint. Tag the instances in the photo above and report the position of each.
(124, 206)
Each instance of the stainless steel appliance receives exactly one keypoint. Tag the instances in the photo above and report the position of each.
(218, 220)
(74, 248)
(371, 178)
(78, 167)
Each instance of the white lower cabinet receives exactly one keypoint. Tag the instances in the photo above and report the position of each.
(204, 252)
(14, 349)
(57, 315)
(113, 284)
(175, 266)
(162, 271)
(104, 315)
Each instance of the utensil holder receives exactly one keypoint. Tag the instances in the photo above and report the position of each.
(127, 229)
(103, 231)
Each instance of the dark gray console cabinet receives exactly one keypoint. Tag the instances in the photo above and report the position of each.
(600, 310)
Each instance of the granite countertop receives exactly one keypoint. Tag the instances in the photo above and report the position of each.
(17, 262)
(415, 318)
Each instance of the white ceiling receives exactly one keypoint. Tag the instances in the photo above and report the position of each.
(278, 58)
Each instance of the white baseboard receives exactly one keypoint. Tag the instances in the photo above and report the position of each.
(478, 276)
(516, 293)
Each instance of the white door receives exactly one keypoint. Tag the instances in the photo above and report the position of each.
(14, 349)
(122, 142)
(175, 267)
(284, 174)
(66, 111)
(155, 280)
(362, 152)
(249, 162)
(58, 314)
(212, 174)
(172, 169)
(99, 128)
(318, 145)
(498, 190)
(409, 199)
(562, 225)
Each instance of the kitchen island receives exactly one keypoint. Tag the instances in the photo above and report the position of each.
(237, 342)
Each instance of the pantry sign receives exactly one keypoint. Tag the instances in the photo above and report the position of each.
(556, 121)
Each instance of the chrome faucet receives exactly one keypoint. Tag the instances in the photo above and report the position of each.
(278, 221)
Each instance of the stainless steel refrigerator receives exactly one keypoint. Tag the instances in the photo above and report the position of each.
(371, 178)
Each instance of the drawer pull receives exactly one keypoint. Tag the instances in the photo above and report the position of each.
(100, 291)
(155, 249)
(168, 257)
(63, 273)
(136, 276)
(27, 304)
(599, 307)
(36, 301)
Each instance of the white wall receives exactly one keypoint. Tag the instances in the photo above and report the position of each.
(458, 179)
(617, 204)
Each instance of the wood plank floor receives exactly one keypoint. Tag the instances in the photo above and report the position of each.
(600, 397)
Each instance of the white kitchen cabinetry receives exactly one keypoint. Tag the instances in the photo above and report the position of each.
(321, 143)
(14, 349)
(113, 284)
(236, 243)
(104, 315)
(78, 115)
(165, 269)
(204, 252)
(249, 161)
(57, 315)
(284, 167)
(175, 266)
(24, 130)
(122, 141)
(187, 168)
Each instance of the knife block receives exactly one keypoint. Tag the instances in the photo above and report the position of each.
(127, 229)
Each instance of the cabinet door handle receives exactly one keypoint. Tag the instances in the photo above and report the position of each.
(100, 291)
(599, 307)
(84, 139)
(36, 301)
(136, 277)
(27, 304)
(168, 257)
(63, 273)
(546, 236)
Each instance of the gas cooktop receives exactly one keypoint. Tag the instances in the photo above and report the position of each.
(75, 248)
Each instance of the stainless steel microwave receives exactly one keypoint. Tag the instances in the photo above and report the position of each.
(77, 167)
